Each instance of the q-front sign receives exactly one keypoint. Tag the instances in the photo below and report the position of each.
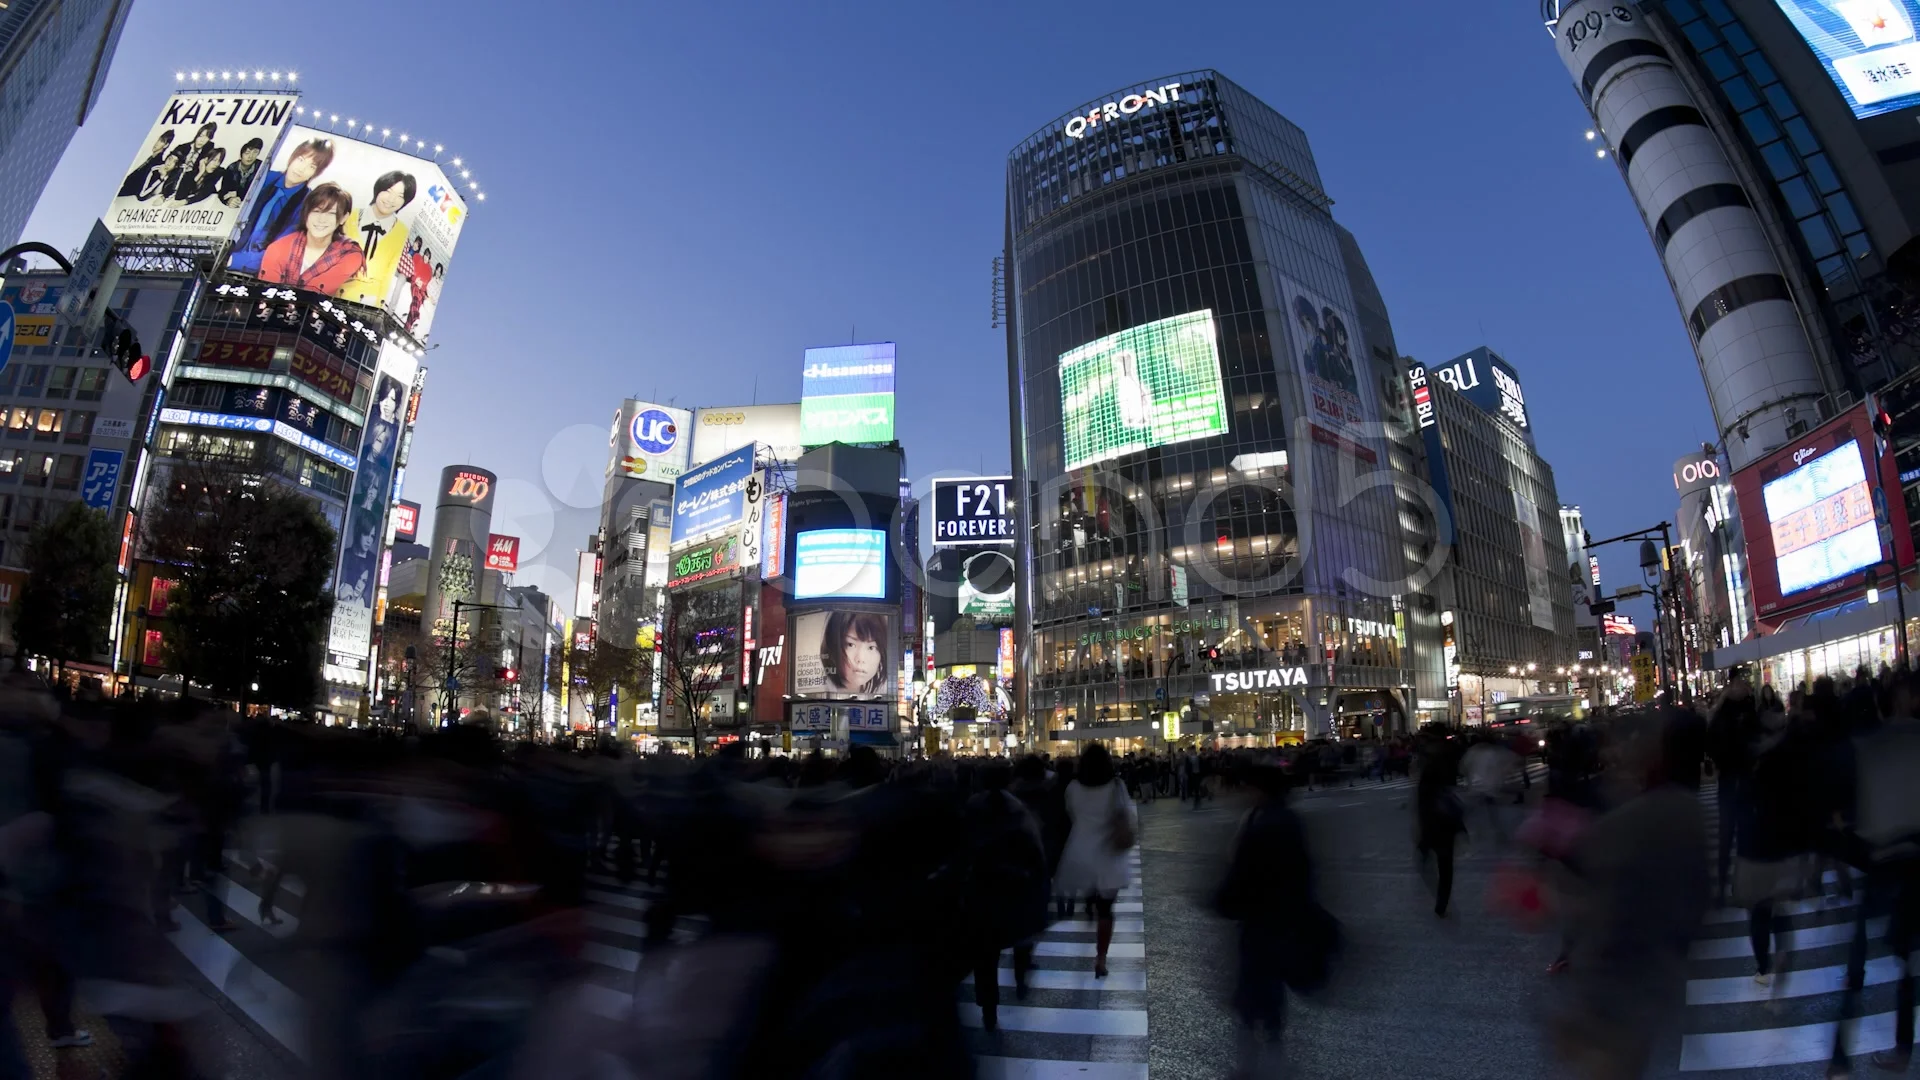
(1227, 682)
(1126, 106)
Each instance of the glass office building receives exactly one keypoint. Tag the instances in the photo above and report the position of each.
(1214, 512)
(54, 56)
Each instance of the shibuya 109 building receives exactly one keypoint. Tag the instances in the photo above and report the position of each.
(1224, 523)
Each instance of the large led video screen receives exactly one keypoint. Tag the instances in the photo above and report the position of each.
(352, 220)
(846, 394)
(840, 564)
(1868, 47)
(1821, 518)
(1152, 385)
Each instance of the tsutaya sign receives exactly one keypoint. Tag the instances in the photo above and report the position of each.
(1261, 679)
(1126, 106)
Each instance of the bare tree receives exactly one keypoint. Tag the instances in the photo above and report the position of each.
(699, 645)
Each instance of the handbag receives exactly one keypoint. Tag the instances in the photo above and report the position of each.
(1120, 822)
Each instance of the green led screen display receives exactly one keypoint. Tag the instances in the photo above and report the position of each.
(1151, 385)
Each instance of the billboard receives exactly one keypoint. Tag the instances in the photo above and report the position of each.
(972, 511)
(846, 394)
(1483, 378)
(1868, 47)
(1152, 385)
(709, 559)
(102, 478)
(650, 442)
(406, 521)
(1816, 519)
(1329, 377)
(34, 306)
(1696, 471)
(364, 529)
(503, 553)
(844, 655)
(348, 219)
(713, 497)
(841, 564)
(202, 161)
(775, 427)
(986, 586)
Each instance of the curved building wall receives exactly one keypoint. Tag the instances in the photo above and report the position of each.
(1152, 568)
(462, 521)
(1762, 376)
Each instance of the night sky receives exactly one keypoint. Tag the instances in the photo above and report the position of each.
(681, 199)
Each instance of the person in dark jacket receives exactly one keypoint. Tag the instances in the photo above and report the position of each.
(1286, 938)
(1731, 733)
(1442, 818)
(1777, 819)
(1007, 883)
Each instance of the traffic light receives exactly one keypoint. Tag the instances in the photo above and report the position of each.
(122, 346)
(1882, 425)
(508, 674)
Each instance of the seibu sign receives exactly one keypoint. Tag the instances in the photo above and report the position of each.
(1260, 679)
(1076, 128)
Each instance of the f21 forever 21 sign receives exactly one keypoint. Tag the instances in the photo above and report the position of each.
(972, 511)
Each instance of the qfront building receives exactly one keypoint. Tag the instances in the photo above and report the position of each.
(1214, 512)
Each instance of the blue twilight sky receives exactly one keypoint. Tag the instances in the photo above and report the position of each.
(680, 198)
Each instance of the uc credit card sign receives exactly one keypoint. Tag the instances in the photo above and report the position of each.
(713, 497)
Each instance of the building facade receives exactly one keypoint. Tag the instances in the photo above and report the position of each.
(1506, 608)
(1199, 389)
(54, 56)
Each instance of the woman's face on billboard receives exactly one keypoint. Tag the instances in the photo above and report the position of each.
(860, 660)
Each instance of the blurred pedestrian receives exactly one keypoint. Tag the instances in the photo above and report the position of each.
(1006, 900)
(1731, 735)
(1286, 937)
(1094, 863)
(1642, 891)
(1440, 817)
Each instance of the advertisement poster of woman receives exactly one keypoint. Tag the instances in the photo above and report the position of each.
(183, 182)
(844, 656)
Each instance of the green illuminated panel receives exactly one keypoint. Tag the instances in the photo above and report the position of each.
(1151, 385)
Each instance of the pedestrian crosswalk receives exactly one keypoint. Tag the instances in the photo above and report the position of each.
(1073, 1026)
(1736, 1024)
(1072, 1023)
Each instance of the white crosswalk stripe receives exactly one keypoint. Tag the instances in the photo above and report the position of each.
(1735, 1023)
(1072, 1024)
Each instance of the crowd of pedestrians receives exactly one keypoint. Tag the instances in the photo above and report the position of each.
(820, 913)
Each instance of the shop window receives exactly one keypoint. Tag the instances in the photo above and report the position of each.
(159, 595)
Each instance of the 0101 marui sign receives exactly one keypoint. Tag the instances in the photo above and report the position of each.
(201, 163)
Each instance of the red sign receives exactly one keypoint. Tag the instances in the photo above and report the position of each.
(322, 375)
(1816, 512)
(406, 521)
(769, 665)
(1617, 624)
(503, 552)
(473, 487)
(229, 353)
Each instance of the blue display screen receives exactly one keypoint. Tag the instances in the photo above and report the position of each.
(1870, 48)
(849, 564)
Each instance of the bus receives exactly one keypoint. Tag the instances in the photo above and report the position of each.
(1536, 710)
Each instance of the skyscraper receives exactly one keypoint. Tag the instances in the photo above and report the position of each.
(1213, 512)
(54, 56)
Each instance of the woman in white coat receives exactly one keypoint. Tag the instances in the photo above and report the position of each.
(1094, 863)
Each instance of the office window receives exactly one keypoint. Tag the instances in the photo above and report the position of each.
(66, 472)
(79, 426)
(8, 378)
(38, 468)
(60, 383)
(22, 420)
(92, 383)
(32, 378)
(46, 427)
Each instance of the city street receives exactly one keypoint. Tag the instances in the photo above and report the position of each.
(1414, 996)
